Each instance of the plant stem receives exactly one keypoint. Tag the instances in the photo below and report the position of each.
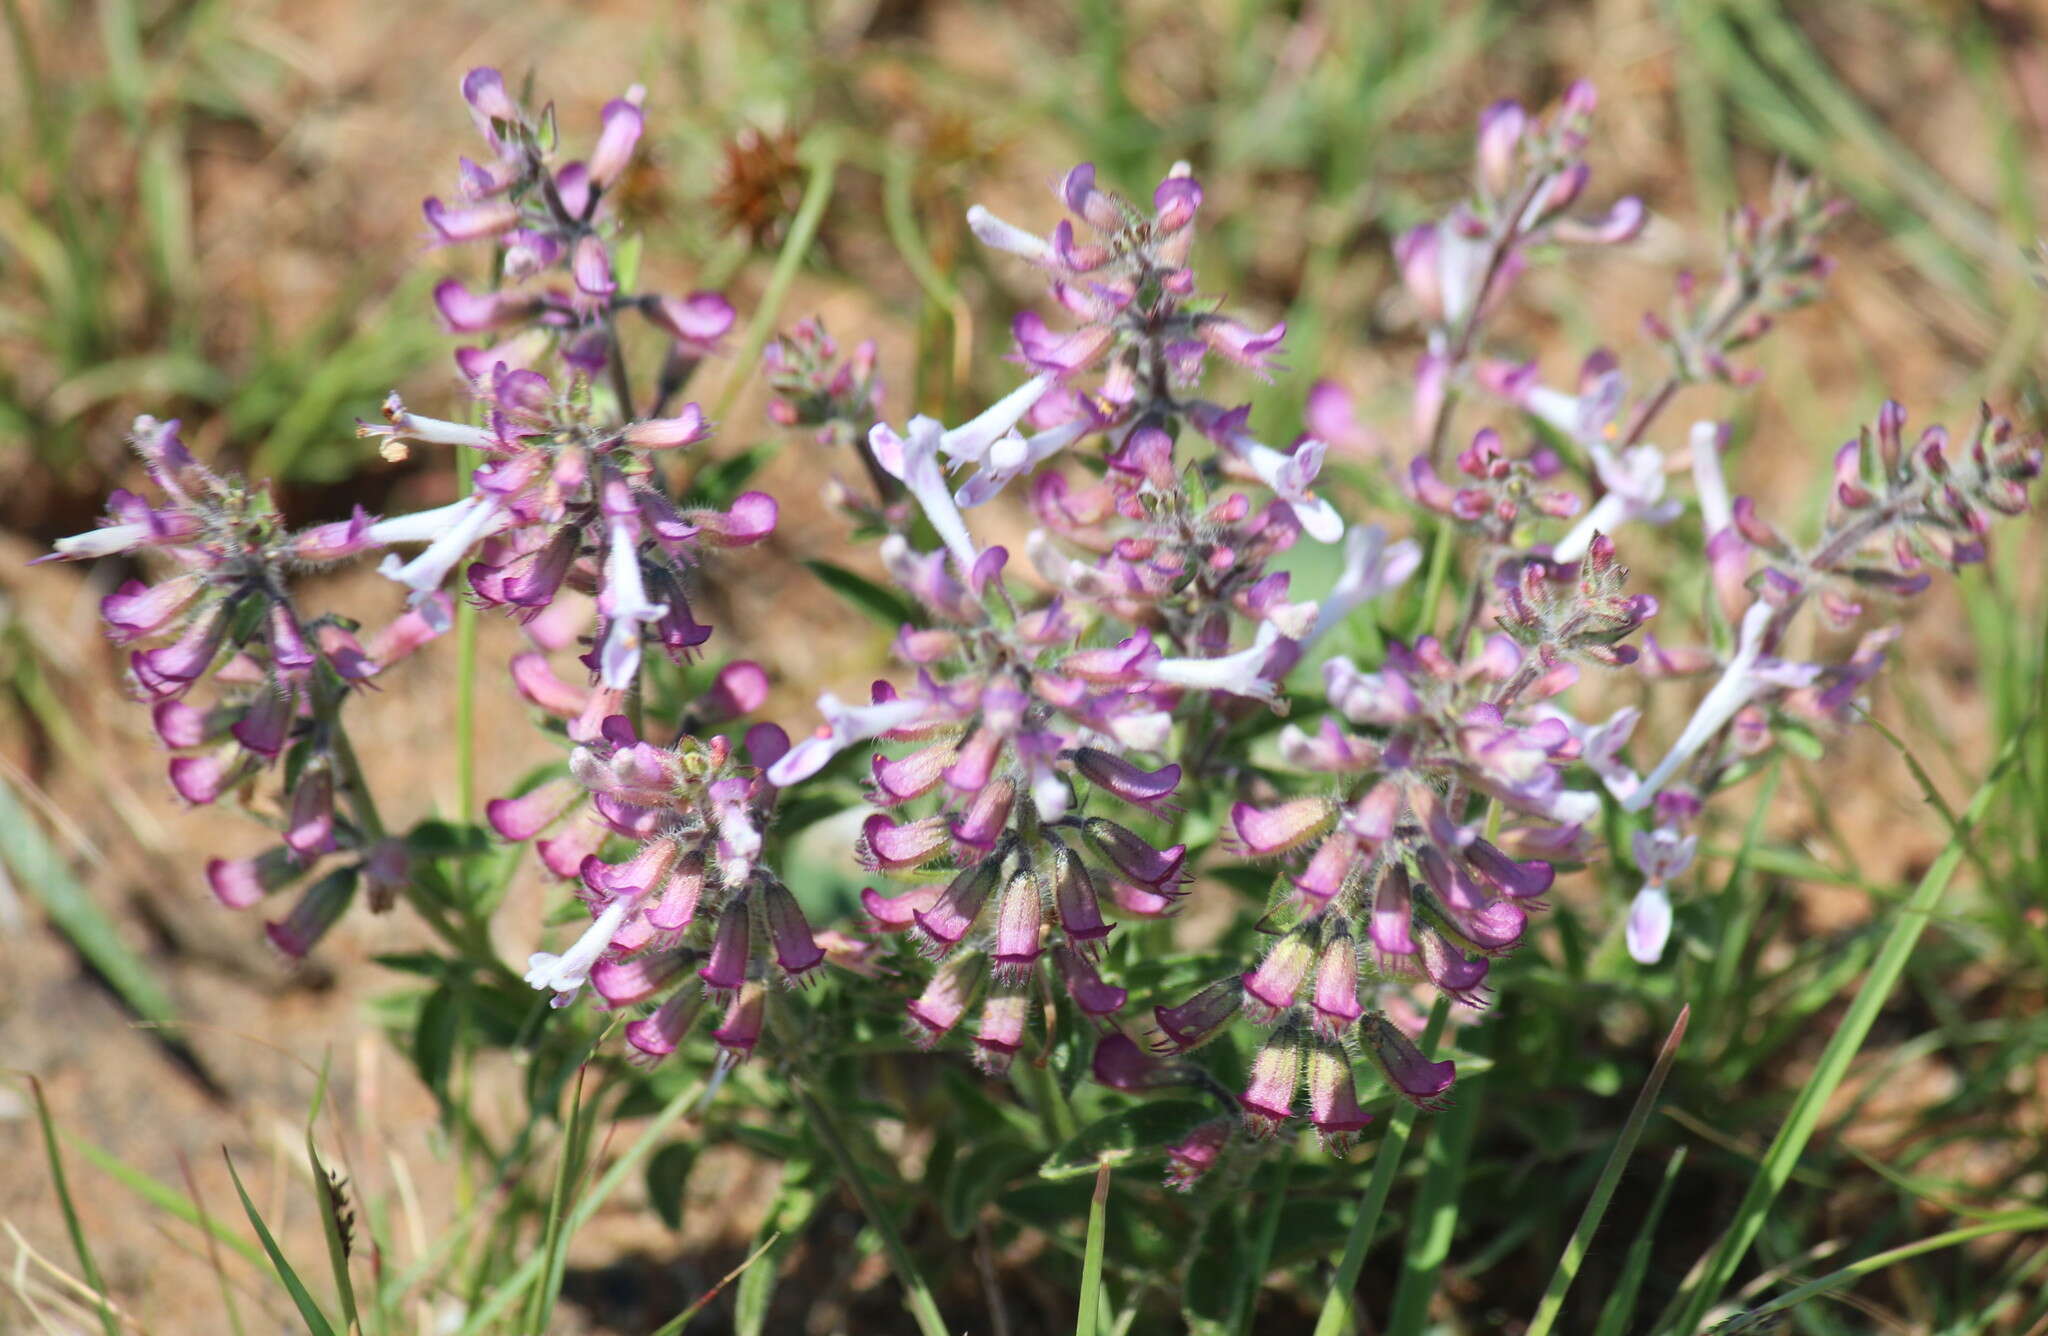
(1610, 1178)
(922, 1306)
(1336, 1318)
(802, 230)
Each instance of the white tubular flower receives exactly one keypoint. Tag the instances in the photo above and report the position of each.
(1746, 675)
(567, 973)
(1649, 924)
(913, 460)
(1372, 568)
(970, 441)
(1460, 268)
(1239, 673)
(449, 532)
(624, 602)
(1013, 456)
(993, 231)
(844, 725)
(1708, 481)
(102, 542)
(1635, 491)
(1661, 854)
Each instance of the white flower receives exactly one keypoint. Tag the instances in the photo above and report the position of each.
(568, 972)
(449, 531)
(1747, 675)
(913, 460)
(1012, 456)
(993, 231)
(1649, 924)
(1371, 568)
(102, 542)
(1635, 491)
(624, 601)
(1460, 269)
(1148, 731)
(1716, 513)
(844, 725)
(1238, 674)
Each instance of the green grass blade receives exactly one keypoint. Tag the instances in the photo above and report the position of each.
(316, 1321)
(1262, 1246)
(333, 1205)
(1610, 1177)
(43, 874)
(682, 1319)
(1337, 1316)
(1091, 1259)
(64, 1202)
(515, 1286)
(2004, 1224)
(1620, 1308)
(1800, 1124)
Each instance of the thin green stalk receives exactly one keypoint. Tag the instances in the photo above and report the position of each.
(675, 1325)
(803, 229)
(1269, 1230)
(1336, 1318)
(483, 1314)
(554, 1239)
(1439, 571)
(923, 1307)
(2004, 1224)
(1800, 1124)
(1610, 1178)
(1620, 1308)
(1091, 1260)
(71, 1222)
(1435, 1218)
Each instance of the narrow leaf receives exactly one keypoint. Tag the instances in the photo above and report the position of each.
(315, 1320)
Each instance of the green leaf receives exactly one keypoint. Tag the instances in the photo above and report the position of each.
(64, 1202)
(1213, 1287)
(1782, 1158)
(886, 606)
(978, 1178)
(433, 1038)
(1610, 1177)
(309, 1312)
(668, 1173)
(41, 873)
(1122, 1136)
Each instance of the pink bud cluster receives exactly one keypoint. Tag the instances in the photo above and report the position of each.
(550, 220)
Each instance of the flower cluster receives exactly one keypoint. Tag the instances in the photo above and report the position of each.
(1026, 768)
(691, 916)
(230, 620)
(549, 222)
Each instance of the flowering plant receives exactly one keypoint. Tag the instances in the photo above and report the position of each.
(1152, 711)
